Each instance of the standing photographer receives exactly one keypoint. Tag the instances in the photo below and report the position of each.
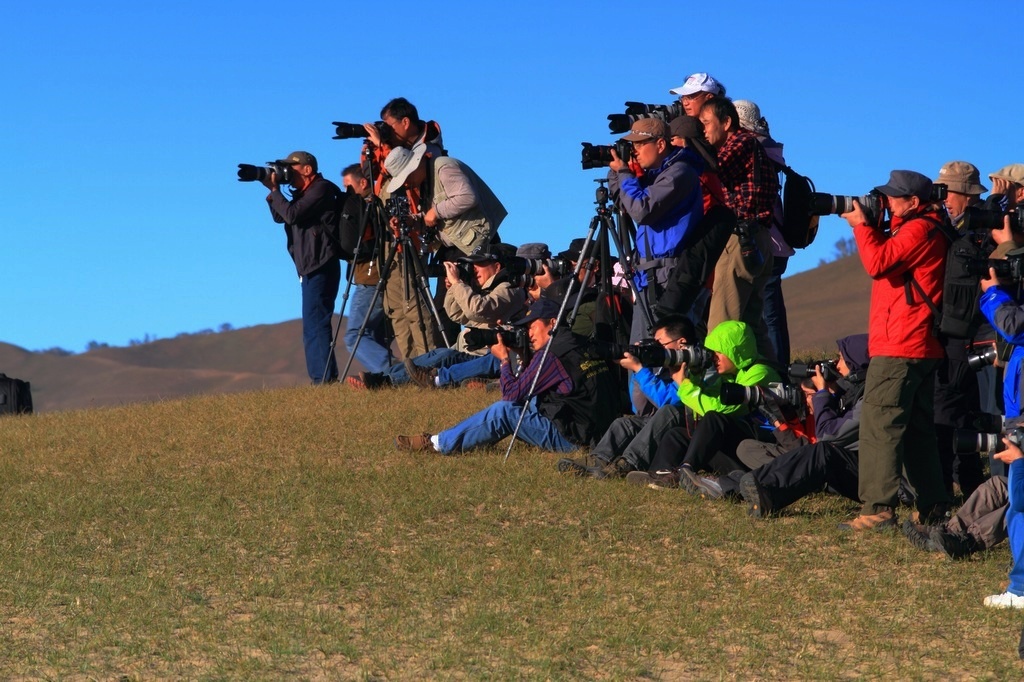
(897, 430)
(314, 201)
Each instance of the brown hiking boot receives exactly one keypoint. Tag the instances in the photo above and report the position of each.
(880, 521)
(424, 378)
(617, 468)
(414, 443)
(579, 466)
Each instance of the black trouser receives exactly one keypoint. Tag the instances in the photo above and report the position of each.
(957, 401)
(801, 472)
(712, 447)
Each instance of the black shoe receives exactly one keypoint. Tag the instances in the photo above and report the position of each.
(580, 466)
(664, 478)
(954, 545)
(756, 506)
(918, 536)
(937, 515)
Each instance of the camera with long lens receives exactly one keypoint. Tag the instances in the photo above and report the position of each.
(621, 123)
(752, 257)
(512, 336)
(1012, 267)
(250, 173)
(651, 353)
(521, 271)
(982, 358)
(600, 155)
(978, 219)
(981, 435)
(397, 206)
(873, 204)
(758, 396)
(349, 131)
(805, 370)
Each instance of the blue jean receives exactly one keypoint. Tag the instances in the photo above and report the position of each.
(498, 421)
(484, 366)
(775, 311)
(372, 353)
(319, 291)
(452, 366)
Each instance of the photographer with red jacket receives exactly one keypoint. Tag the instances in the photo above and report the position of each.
(907, 264)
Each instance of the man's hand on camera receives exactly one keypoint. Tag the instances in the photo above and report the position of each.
(855, 216)
(499, 350)
(372, 133)
(617, 164)
(1004, 234)
(270, 181)
(819, 380)
(679, 374)
(1011, 454)
(1000, 186)
(430, 217)
(629, 362)
(451, 273)
(990, 281)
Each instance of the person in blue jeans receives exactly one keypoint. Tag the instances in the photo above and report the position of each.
(566, 409)
(1013, 597)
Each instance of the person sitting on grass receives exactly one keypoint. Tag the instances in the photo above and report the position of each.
(567, 408)
(1013, 597)
(721, 426)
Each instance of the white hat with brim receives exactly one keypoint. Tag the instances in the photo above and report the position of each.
(400, 164)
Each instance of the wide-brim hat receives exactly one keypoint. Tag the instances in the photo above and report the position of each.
(400, 164)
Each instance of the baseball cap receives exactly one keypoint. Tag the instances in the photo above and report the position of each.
(491, 253)
(904, 183)
(962, 177)
(1013, 173)
(686, 126)
(302, 158)
(400, 164)
(541, 309)
(647, 129)
(750, 117)
(699, 82)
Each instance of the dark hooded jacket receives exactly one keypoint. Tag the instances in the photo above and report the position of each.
(837, 416)
(585, 413)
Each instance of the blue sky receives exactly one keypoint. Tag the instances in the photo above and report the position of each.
(123, 124)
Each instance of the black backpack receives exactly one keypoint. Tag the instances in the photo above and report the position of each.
(799, 227)
(15, 396)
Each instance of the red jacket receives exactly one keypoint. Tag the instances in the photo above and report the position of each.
(915, 246)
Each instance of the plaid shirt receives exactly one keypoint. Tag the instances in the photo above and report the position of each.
(748, 177)
(553, 377)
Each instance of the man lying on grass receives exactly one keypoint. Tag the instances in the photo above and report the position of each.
(569, 406)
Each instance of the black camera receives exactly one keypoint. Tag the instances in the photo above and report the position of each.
(348, 131)
(978, 219)
(983, 358)
(521, 271)
(621, 123)
(1012, 267)
(600, 155)
(397, 206)
(829, 370)
(651, 353)
(757, 396)
(250, 173)
(512, 336)
(873, 204)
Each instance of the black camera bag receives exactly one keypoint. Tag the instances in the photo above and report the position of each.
(15, 396)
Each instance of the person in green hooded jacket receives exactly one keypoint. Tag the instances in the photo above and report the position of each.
(721, 426)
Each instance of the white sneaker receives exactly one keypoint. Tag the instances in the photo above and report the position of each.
(1006, 600)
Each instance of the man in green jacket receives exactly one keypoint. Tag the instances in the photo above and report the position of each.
(721, 426)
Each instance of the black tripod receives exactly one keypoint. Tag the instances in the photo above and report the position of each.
(416, 283)
(603, 225)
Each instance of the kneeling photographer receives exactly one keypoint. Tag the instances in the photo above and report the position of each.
(307, 219)
(480, 296)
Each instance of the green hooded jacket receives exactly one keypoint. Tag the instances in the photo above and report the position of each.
(734, 340)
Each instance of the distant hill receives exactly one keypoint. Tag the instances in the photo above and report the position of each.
(824, 304)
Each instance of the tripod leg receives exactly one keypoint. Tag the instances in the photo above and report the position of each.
(422, 285)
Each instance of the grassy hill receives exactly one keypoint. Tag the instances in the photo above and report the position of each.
(277, 534)
(824, 304)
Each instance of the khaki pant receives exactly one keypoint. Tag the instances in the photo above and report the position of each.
(738, 293)
(408, 313)
(897, 431)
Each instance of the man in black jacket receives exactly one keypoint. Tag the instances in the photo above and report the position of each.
(313, 203)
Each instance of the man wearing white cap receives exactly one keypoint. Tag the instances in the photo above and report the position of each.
(697, 89)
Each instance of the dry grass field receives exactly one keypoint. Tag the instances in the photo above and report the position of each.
(278, 535)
